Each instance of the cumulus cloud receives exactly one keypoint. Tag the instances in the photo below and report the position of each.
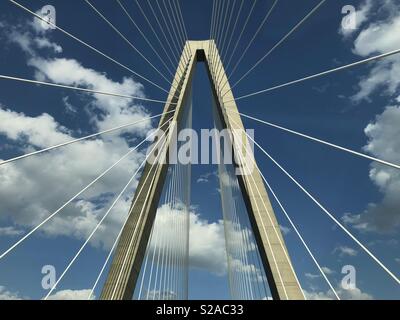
(345, 251)
(10, 231)
(312, 276)
(43, 57)
(204, 178)
(45, 43)
(207, 246)
(348, 294)
(71, 295)
(206, 241)
(285, 230)
(383, 216)
(65, 172)
(327, 270)
(8, 295)
(110, 111)
(380, 34)
(34, 188)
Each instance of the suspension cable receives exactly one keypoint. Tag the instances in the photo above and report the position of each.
(82, 138)
(278, 44)
(87, 45)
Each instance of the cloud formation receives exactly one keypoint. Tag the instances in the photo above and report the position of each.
(35, 187)
(380, 34)
(350, 294)
(8, 295)
(71, 295)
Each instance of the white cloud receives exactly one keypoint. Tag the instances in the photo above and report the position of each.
(8, 295)
(285, 230)
(60, 175)
(379, 37)
(71, 295)
(10, 231)
(35, 187)
(40, 131)
(385, 76)
(206, 241)
(384, 216)
(327, 270)
(345, 251)
(204, 178)
(109, 111)
(207, 249)
(350, 294)
(106, 111)
(312, 276)
(159, 295)
(380, 34)
(397, 260)
(43, 43)
(69, 108)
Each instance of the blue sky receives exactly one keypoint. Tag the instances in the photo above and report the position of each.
(337, 108)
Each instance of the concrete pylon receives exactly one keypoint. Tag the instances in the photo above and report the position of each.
(127, 261)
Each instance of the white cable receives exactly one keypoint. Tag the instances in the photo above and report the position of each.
(215, 34)
(118, 236)
(72, 199)
(390, 164)
(157, 37)
(81, 89)
(87, 45)
(268, 14)
(151, 238)
(176, 20)
(270, 219)
(166, 201)
(218, 32)
(98, 225)
(299, 235)
(128, 42)
(116, 240)
(278, 43)
(132, 239)
(265, 231)
(212, 28)
(173, 31)
(234, 28)
(183, 23)
(240, 36)
(225, 27)
(154, 228)
(327, 212)
(144, 36)
(224, 39)
(164, 35)
(81, 139)
(354, 64)
(173, 36)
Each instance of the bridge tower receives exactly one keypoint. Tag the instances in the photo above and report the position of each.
(130, 251)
